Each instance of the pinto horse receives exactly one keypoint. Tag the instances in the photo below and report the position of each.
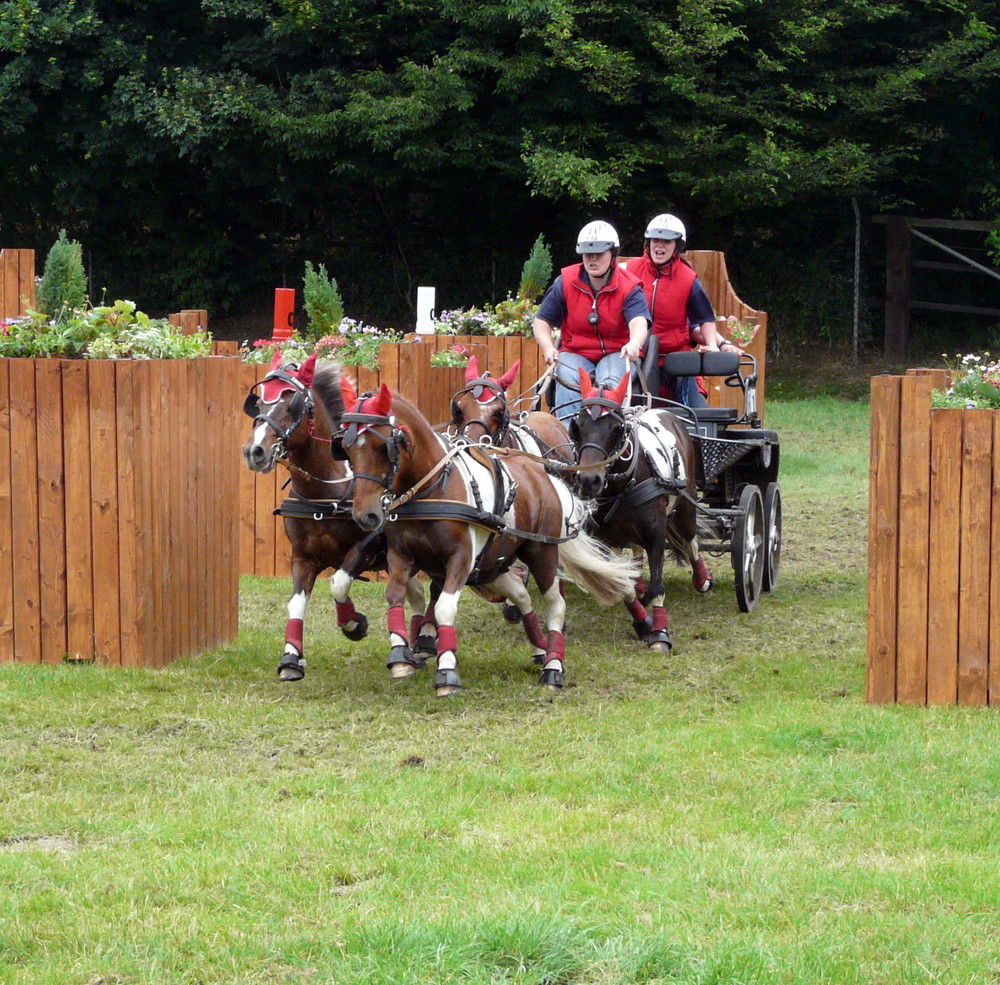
(640, 468)
(480, 411)
(465, 517)
(293, 417)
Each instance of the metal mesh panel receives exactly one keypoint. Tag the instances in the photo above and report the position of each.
(717, 454)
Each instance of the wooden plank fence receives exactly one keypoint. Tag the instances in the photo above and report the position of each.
(118, 519)
(17, 282)
(934, 531)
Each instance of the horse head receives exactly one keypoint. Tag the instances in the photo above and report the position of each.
(598, 430)
(281, 412)
(483, 402)
(376, 439)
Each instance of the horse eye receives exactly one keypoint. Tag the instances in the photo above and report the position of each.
(574, 430)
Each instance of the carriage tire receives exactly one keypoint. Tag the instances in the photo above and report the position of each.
(772, 536)
(748, 551)
(360, 631)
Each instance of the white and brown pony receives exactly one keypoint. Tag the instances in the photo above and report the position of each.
(639, 467)
(465, 517)
(294, 409)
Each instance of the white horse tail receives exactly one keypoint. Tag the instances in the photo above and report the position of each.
(599, 571)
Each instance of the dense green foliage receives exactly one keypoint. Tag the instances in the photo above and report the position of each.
(202, 149)
(63, 287)
(322, 301)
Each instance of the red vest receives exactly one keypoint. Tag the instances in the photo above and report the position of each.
(667, 293)
(611, 331)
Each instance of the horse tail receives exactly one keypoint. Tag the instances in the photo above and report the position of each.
(598, 570)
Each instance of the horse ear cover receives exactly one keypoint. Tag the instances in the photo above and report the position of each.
(308, 370)
(276, 360)
(508, 377)
(619, 392)
(348, 392)
(586, 386)
(381, 403)
(472, 370)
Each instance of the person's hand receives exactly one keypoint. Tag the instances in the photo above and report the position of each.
(630, 351)
(549, 354)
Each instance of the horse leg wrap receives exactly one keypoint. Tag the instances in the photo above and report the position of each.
(416, 621)
(292, 665)
(397, 624)
(659, 635)
(641, 621)
(447, 640)
(553, 672)
(293, 634)
(701, 576)
(640, 586)
(533, 630)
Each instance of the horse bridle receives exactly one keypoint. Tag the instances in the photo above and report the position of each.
(594, 405)
(351, 427)
(477, 388)
(300, 407)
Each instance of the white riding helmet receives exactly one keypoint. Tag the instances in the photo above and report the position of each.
(665, 226)
(596, 237)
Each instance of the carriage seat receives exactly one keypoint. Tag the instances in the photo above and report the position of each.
(694, 363)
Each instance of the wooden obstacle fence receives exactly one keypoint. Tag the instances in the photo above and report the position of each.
(17, 282)
(118, 519)
(934, 532)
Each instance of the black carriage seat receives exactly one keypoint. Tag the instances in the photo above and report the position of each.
(694, 363)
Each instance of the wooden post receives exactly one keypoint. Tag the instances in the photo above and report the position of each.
(897, 289)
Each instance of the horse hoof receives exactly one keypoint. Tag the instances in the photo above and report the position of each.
(659, 641)
(706, 586)
(511, 613)
(360, 631)
(401, 663)
(291, 667)
(426, 648)
(552, 679)
(642, 627)
(446, 683)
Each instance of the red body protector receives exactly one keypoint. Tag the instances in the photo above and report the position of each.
(611, 331)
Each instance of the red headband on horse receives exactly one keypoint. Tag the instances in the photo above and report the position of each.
(274, 385)
(588, 391)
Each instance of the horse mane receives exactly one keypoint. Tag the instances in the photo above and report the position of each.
(326, 386)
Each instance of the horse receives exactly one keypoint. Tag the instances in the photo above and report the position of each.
(480, 412)
(293, 418)
(465, 517)
(482, 404)
(640, 468)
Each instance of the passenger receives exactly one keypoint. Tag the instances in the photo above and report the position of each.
(602, 315)
(681, 312)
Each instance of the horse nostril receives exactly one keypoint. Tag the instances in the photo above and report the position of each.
(368, 521)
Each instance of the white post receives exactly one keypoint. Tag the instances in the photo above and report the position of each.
(425, 309)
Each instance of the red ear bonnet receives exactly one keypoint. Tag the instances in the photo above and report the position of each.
(618, 394)
(276, 360)
(586, 387)
(349, 393)
(381, 403)
(508, 377)
(308, 370)
(472, 370)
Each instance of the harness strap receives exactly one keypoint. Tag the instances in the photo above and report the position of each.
(448, 509)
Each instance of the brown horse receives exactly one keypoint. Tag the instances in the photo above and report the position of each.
(293, 427)
(482, 404)
(480, 412)
(465, 517)
(640, 468)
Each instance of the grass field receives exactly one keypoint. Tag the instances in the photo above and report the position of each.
(732, 813)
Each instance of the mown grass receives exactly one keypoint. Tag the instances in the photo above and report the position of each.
(733, 813)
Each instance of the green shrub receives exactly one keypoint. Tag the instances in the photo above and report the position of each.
(537, 272)
(323, 304)
(63, 288)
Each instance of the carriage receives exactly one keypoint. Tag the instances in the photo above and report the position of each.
(739, 499)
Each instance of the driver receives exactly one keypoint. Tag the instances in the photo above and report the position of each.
(602, 314)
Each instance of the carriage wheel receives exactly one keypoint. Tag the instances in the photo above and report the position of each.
(772, 541)
(748, 548)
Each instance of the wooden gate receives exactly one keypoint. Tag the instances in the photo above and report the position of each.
(118, 531)
(934, 530)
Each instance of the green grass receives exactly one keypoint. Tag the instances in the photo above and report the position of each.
(732, 813)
